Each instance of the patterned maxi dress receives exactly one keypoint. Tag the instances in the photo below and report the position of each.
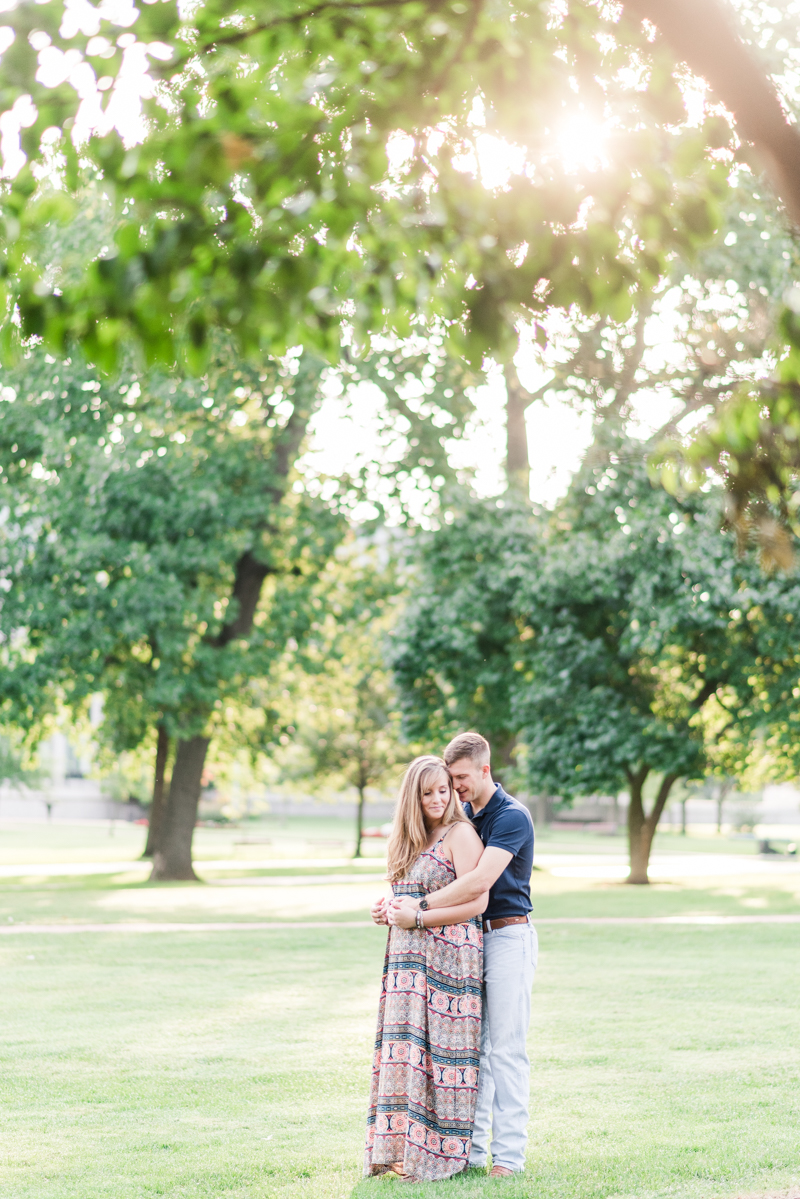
(425, 1068)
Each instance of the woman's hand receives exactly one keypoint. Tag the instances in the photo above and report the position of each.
(378, 910)
(402, 913)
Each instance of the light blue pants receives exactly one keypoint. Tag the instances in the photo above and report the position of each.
(509, 964)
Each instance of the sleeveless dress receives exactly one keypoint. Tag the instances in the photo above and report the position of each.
(425, 1068)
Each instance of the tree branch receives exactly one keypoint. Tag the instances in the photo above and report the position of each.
(661, 800)
(241, 35)
(250, 572)
(633, 360)
(702, 34)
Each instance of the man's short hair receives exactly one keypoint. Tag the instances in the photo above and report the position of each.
(468, 745)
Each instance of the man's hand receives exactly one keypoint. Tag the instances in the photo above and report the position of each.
(402, 913)
(378, 911)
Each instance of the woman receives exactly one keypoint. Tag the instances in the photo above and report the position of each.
(425, 1069)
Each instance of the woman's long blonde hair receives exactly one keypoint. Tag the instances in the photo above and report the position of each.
(409, 836)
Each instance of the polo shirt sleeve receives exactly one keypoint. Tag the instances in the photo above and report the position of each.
(510, 832)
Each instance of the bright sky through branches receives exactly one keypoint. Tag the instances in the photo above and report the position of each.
(344, 437)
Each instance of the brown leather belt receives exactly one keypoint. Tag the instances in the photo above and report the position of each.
(491, 926)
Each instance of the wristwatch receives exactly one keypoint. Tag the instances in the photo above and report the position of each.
(423, 905)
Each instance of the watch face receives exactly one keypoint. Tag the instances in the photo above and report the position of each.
(423, 905)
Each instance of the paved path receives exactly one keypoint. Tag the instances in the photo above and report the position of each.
(220, 926)
(300, 880)
(154, 926)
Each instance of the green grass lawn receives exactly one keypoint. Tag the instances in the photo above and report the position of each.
(235, 1065)
(665, 1063)
(104, 840)
(291, 836)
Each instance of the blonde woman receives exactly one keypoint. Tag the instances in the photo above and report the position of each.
(425, 1068)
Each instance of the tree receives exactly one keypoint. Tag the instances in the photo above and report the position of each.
(614, 370)
(135, 562)
(454, 648)
(169, 560)
(250, 202)
(322, 163)
(610, 679)
(750, 443)
(345, 718)
(624, 637)
(638, 662)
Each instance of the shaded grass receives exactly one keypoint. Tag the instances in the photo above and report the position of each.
(715, 896)
(102, 840)
(109, 898)
(318, 836)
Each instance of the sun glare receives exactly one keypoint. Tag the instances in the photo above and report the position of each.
(498, 160)
(580, 143)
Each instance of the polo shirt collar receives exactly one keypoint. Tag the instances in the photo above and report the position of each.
(492, 805)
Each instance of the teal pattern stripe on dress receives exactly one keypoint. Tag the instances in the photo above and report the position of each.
(427, 1051)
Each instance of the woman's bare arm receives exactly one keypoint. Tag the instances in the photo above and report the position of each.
(464, 848)
(404, 915)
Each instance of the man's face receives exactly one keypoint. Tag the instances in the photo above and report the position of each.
(468, 778)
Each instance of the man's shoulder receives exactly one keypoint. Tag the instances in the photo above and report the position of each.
(513, 808)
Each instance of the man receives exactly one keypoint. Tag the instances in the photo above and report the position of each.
(509, 951)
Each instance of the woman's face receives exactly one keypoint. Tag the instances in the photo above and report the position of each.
(435, 798)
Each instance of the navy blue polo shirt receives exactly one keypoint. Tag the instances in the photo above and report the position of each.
(507, 824)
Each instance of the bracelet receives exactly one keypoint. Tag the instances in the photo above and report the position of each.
(419, 918)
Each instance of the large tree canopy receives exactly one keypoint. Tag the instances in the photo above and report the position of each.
(620, 638)
(331, 162)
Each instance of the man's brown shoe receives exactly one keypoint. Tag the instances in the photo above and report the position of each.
(501, 1172)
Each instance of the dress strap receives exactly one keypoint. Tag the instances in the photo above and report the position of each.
(441, 840)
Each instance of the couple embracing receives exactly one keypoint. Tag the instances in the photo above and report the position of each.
(451, 1069)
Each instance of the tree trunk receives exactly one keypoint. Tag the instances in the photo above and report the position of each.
(359, 821)
(641, 827)
(639, 852)
(250, 575)
(518, 471)
(173, 858)
(683, 816)
(503, 758)
(722, 795)
(157, 806)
